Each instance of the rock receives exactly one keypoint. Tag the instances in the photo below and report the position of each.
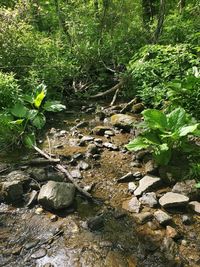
(150, 167)
(32, 198)
(123, 121)
(171, 232)
(170, 200)
(100, 130)
(53, 175)
(76, 174)
(131, 187)
(39, 254)
(169, 248)
(95, 223)
(162, 217)
(92, 149)
(17, 250)
(132, 205)
(141, 154)
(187, 188)
(137, 108)
(39, 174)
(83, 165)
(53, 218)
(147, 183)
(126, 178)
(39, 211)
(12, 191)
(18, 176)
(187, 220)
(87, 138)
(143, 217)
(195, 206)
(109, 133)
(110, 146)
(149, 199)
(31, 244)
(56, 195)
(136, 164)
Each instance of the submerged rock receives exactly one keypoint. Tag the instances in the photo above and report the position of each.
(170, 200)
(123, 121)
(55, 195)
(147, 183)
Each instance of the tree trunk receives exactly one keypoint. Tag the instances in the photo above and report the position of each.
(161, 18)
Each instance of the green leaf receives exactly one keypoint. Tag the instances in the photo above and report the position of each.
(198, 185)
(137, 144)
(31, 114)
(39, 121)
(54, 106)
(40, 96)
(155, 119)
(29, 140)
(176, 119)
(19, 110)
(28, 98)
(188, 129)
(17, 122)
(162, 154)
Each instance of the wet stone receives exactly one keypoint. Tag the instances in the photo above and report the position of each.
(39, 254)
(31, 244)
(162, 217)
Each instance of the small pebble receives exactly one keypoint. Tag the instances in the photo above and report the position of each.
(54, 218)
(39, 254)
(39, 211)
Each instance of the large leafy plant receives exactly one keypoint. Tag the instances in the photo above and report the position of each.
(165, 133)
(28, 114)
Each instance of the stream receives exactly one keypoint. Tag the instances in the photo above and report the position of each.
(34, 236)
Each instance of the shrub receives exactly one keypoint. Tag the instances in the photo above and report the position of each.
(9, 90)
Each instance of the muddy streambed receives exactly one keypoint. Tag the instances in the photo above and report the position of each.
(32, 236)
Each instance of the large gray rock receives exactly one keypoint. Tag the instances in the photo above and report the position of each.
(147, 183)
(56, 195)
(12, 191)
(123, 121)
(162, 217)
(170, 200)
(18, 176)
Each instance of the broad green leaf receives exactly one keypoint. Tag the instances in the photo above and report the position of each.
(39, 97)
(54, 106)
(188, 129)
(152, 137)
(19, 110)
(29, 140)
(17, 122)
(198, 185)
(31, 114)
(155, 119)
(162, 154)
(39, 121)
(176, 119)
(28, 98)
(137, 144)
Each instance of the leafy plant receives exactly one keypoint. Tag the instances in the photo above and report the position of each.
(165, 133)
(28, 115)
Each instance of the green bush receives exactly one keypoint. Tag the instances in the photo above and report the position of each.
(9, 90)
(154, 65)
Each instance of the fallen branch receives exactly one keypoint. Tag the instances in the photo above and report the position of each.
(114, 97)
(65, 171)
(113, 89)
(128, 106)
